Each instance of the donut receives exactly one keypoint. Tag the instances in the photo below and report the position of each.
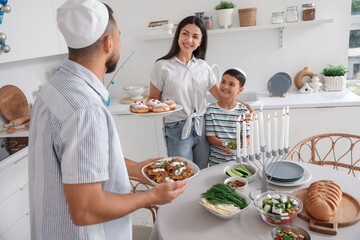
(139, 108)
(171, 104)
(161, 107)
(150, 104)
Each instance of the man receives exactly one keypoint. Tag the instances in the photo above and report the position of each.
(78, 177)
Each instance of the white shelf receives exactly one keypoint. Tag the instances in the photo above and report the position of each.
(280, 26)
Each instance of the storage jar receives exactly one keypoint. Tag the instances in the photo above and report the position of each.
(208, 22)
(308, 11)
(292, 14)
(277, 17)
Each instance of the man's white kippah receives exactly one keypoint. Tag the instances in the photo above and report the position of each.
(241, 71)
(82, 22)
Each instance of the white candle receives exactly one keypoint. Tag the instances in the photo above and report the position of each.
(251, 147)
(238, 138)
(261, 123)
(257, 142)
(244, 136)
(268, 137)
(282, 130)
(287, 123)
(274, 133)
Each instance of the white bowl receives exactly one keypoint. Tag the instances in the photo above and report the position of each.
(135, 92)
(237, 189)
(248, 202)
(247, 166)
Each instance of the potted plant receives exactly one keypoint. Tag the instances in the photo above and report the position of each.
(334, 78)
(225, 11)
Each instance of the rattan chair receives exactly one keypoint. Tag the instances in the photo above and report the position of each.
(141, 232)
(340, 150)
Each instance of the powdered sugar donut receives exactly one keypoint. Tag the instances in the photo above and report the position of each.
(139, 107)
(161, 107)
(171, 104)
(151, 104)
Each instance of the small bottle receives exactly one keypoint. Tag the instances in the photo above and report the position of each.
(308, 11)
(292, 14)
(208, 22)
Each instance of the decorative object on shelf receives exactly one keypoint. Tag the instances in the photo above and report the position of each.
(279, 85)
(4, 48)
(306, 89)
(334, 78)
(225, 11)
(4, 8)
(247, 17)
(158, 23)
(277, 17)
(199, 14)
(308, 11)
(292, 14)
(168, 28)
(300, 75)
(208, 22)
(315, 84)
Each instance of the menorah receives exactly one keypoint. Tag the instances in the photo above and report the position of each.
(264, 147)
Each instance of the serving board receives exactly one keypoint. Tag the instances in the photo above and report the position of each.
(348, 214)
(129, 101)
(13, 103)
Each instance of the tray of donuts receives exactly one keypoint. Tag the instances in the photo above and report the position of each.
(154, 107)
(327, 207)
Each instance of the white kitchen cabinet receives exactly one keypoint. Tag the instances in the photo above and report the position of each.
(31, 30)
(14, 201)
(63, 45)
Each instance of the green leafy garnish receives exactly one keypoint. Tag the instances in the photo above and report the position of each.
(224, 194)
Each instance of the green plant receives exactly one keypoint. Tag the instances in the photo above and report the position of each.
(333, 71)
(224, 5)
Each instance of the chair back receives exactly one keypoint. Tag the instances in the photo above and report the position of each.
(340, 150)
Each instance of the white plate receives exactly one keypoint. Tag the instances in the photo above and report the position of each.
(178, 108)
(248, 202)
(306, 178)
(194, 167)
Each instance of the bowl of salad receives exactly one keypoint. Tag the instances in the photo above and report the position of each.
(277, 208)
(242, 170)
(232, 146)
(289, 232)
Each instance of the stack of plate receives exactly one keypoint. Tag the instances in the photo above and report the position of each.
(279, 84)
(286, 173)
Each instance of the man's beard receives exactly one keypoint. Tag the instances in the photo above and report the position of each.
(111, 65)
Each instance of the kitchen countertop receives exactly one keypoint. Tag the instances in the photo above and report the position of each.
(294, 100)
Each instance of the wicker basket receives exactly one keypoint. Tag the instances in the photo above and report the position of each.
(334, 84)
(247, 17)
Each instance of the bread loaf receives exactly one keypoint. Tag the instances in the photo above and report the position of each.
(323, 199)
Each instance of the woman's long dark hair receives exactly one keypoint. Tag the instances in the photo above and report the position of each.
(200, 52)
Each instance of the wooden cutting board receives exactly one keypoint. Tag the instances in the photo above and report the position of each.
(348, 214)
(13, 103)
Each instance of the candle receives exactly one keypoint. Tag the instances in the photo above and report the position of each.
(274, 133)
(251, 147)
(257, 142)
(282, 131)
(287, 123)
(238, 138)
(244, 136)
(268, 137)
(261, 123)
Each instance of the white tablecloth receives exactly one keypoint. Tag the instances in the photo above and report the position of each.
(185, 218)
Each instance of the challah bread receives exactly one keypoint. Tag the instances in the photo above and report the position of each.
(323, 199)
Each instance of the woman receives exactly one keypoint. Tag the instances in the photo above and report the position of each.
(183, 76)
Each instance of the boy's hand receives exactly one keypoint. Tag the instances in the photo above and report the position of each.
(226, 150)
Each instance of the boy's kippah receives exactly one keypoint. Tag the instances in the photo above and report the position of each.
(240, 71)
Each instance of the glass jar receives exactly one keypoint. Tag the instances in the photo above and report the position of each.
(292, 14)
(308, 11)
(208, 22)
(277, 17)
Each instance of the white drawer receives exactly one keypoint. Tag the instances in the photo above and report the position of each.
(13, 177)
(14, 208)
(19, 231)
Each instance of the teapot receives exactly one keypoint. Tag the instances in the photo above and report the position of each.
(218, 71)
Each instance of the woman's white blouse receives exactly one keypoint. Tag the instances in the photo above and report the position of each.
(186, 85)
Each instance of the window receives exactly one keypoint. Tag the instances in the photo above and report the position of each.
(354, 49)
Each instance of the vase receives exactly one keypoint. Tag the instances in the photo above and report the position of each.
(225, 17)
(247, 17)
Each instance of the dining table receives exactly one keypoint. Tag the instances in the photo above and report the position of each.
(186, 218)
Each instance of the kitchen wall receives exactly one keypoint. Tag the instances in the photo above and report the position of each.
(257, 52)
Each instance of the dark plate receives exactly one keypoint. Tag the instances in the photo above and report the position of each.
(279, 84)
(284, 171)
